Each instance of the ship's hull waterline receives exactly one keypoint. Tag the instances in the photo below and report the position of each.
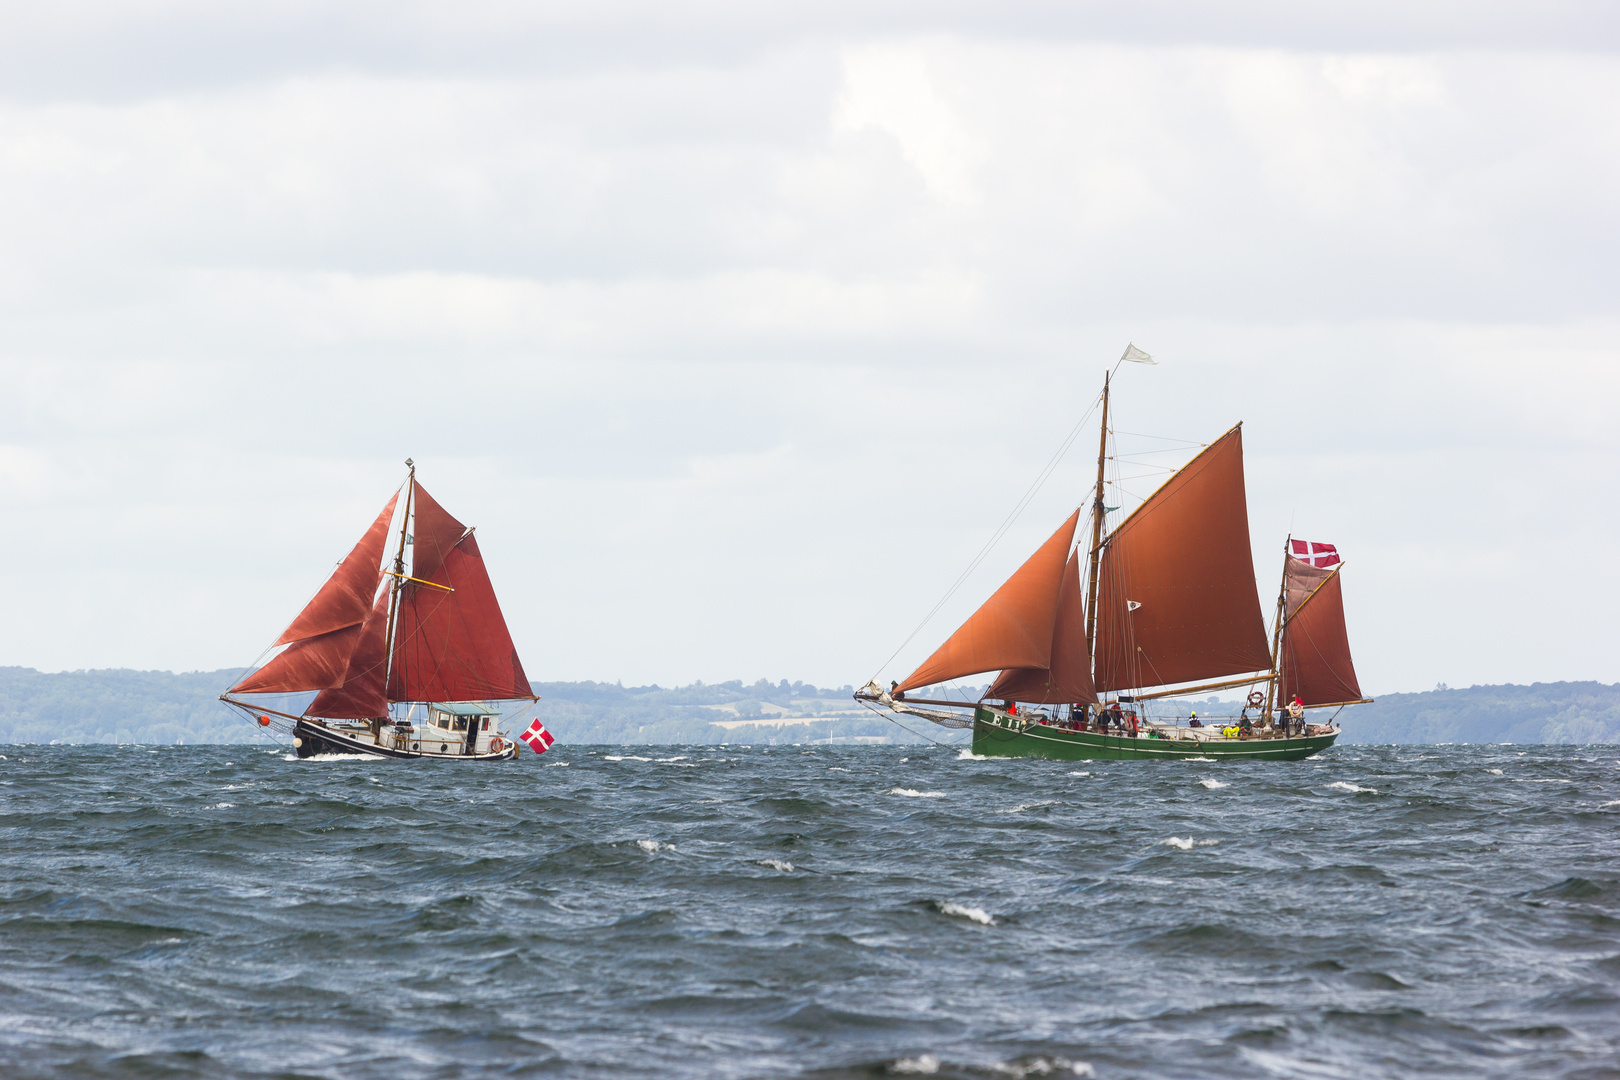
(998, 736)
(312, 740)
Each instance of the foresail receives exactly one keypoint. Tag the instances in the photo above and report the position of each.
(361, 695)
(1177, 600)
(1315, 662)
(346, 597)
(1012, 629)
(1068, 678)
(454, 645)
(316, 663)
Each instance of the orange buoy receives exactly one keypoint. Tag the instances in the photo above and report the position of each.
(264, 721)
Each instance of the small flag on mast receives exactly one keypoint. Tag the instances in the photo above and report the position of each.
(538, 738)
(1319, 555)
(1137, 356)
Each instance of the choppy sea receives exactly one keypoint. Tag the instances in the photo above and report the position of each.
(809, 911)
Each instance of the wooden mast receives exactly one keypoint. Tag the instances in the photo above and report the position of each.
(1276, 634)
(1098, 510)
(399, 566)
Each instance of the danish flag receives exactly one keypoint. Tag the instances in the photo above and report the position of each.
(538, 738)
(1308, 551)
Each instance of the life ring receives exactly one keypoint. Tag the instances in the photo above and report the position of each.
(497, 744)
(1256, 699)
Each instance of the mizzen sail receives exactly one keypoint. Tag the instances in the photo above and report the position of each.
(1012, 629)
(1177, 599)
(1067, 680)
(1315, 660)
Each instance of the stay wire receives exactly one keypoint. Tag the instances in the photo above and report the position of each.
(1012, 517)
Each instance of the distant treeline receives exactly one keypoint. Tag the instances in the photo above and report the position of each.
(124, 706)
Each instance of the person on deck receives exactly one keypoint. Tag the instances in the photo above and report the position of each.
(1194, 721)
(1296, 713)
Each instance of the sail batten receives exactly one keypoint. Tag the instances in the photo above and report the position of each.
(1067, 679)
(1012, 629)
(1177, 599)
(1315, 658)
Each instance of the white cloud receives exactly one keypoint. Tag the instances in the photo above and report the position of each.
(736, 352)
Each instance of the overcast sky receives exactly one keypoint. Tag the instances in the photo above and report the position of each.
(737, 329)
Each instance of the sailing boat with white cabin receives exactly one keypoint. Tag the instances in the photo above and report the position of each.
(406, 663)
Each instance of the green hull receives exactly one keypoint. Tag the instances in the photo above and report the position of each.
(996, 736)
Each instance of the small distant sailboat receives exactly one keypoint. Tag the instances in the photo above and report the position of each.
(1169, 601)
(406, 664)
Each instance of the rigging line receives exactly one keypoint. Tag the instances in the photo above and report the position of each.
(1161, 438)
(902, 727)
(1022, 504)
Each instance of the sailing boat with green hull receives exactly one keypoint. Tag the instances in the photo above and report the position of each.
(1169, 608)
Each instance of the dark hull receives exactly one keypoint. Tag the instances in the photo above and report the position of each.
(312, 740)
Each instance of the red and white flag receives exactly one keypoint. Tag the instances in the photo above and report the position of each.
(1309, 551)
(538, 738)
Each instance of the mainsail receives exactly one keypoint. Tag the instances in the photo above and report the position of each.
(1177, 598)
(326, 632)
(1067, 680)
(1315, 656)
(360, 696)
(1012, 629)
(450, 638)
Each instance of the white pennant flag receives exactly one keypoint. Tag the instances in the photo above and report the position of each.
(1137, 356)
(1131, 605)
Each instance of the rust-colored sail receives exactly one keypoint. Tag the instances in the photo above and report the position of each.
(346, 596)
(1068, 679)
(1177, 599)
(316, 663)
(453, 646)
(1315, 661)
(436, 534)
(1012, 629)
(361, 695)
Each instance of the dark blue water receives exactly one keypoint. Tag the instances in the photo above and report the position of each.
(809, 911)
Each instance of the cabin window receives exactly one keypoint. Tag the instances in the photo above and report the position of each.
(461, 723)
(486, 723)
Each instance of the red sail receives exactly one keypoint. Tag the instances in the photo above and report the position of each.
(435, 534)
(1315, 661)
(1177, 600)
(361, 696)
(315, 663)
(346, 596)
(1068, 680)
(454, 646)
(1011, 629)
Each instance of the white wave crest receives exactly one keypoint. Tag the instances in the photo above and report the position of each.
(556, 764)
(1213, 785)
(651, 846)
(966, 754)
(1340, 785)
(1195, 759)
(921, 1065)
(777, 864)
(1043, 1066)
(624, 757)
(1186, 843)
(836, 768)
(1519, 781)
(1494, 772)
(677, 757)
(976, 914)
(1021, 807)
(220, 806)
(913, 793)
(1611, 802)
(354, 759)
